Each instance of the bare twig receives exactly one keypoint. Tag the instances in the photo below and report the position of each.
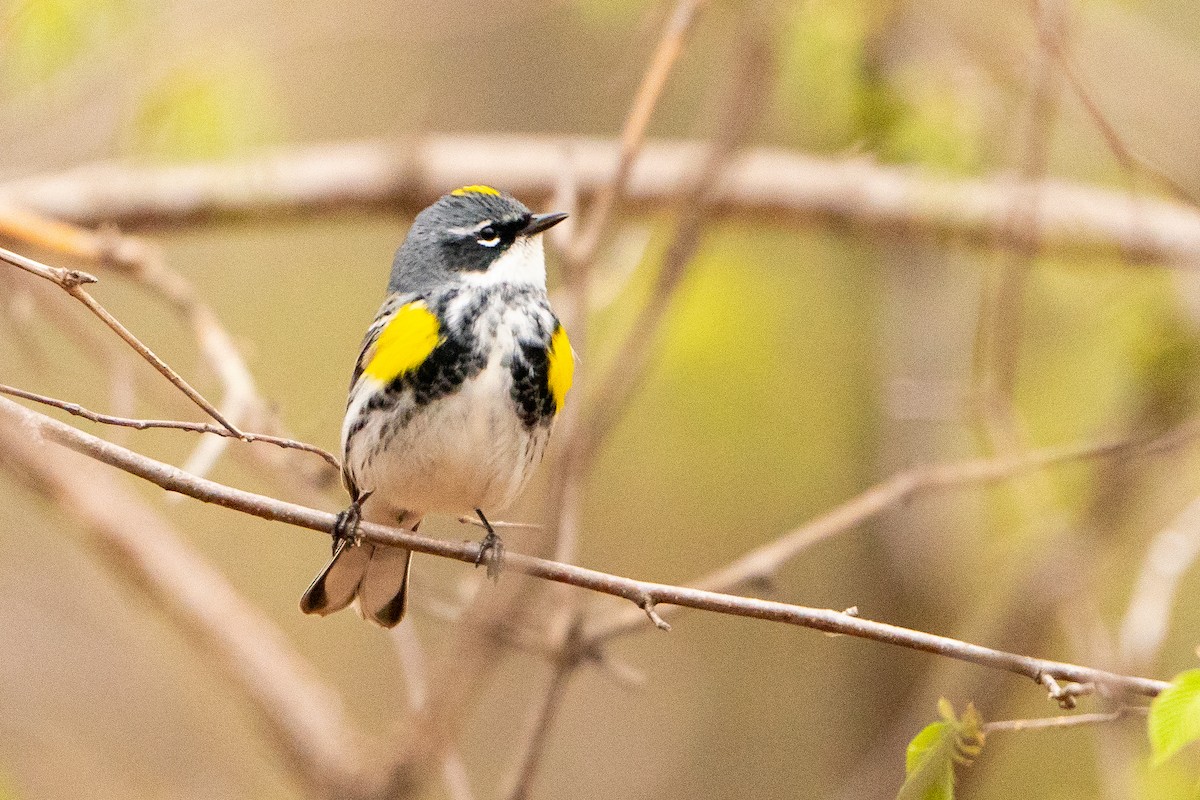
(537, 736)
(42, 299)
(1131, 160)
(31, 423)
(666, 54)
(1001, 317)
(743, 101)
(72, 281)
(747, 94)
(411, 657)
(785, 187)
(763, 562)
(143, 263)
(581, 255)
(1066, 721)
(301, 715)
(144, 424)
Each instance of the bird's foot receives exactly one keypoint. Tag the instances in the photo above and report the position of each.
(491, 549)
(345, 527)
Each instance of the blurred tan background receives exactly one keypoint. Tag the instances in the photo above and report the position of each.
(799, 364)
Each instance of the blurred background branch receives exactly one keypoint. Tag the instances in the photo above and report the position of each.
(785, 187)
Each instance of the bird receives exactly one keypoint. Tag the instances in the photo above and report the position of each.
(454, 394)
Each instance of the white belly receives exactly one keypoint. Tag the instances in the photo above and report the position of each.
(461, 452)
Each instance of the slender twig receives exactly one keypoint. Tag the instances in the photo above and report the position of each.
(411, 657)
(764, 562)
(741, 106)
(666, 54)
(1001, 318)
(827, 620)
(144, 424)
(538, 734)
(783, 186)
(1066, 721)
(1131, 160)
(143, 263)
(581, 254)
(72, 281)
(301, 715)
(746, 99)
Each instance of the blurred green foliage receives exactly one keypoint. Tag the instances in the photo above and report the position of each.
(43, 37)
(835, 94)
(207, 109)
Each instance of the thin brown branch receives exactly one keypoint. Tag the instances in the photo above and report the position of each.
(585, 430)
(38, 302)
(764, 562)
(567, 500)
(781, 186)
(27, 422)
(142, 263)
(666, 55)
(72, 282)
(300, 714)
(537, 736)
(746, 97)
(411, 658)
(1131, 160)
(1001, 318)
(144, 424)
(1065, 721)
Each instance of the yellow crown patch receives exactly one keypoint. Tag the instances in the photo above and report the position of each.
(474, 189)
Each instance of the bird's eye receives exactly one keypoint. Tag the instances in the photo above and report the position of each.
(489, 236)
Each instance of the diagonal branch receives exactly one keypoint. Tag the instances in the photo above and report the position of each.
(762, 563)
(72, 281)
(179, 425)
(643, 593)
(666, 54)
(142, 263)
(747, 98)
(301, 715)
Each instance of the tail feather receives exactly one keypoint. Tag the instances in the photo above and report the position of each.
(376, 576)
(336, 585)
(383, 593)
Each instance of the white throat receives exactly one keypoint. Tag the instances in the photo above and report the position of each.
(522, 264)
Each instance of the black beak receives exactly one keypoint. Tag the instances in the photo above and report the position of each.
(543, 222)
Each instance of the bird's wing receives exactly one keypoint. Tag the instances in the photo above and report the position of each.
(403, 334)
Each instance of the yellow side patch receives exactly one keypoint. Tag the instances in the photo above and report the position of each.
(405, 343)
(474, 189)
(561, 370)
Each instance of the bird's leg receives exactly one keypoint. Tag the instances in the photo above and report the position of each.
(345, 527)
(491, 549)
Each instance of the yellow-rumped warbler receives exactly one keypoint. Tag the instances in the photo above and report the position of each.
(457, 385)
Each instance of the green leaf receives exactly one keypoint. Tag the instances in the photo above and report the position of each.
(1174, 720)
(931, 755)
(929, 764)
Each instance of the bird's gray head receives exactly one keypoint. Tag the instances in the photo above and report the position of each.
(475, 234)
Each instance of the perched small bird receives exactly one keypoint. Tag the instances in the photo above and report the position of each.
(457, 385)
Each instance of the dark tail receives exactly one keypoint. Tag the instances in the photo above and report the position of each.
(375, 575)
